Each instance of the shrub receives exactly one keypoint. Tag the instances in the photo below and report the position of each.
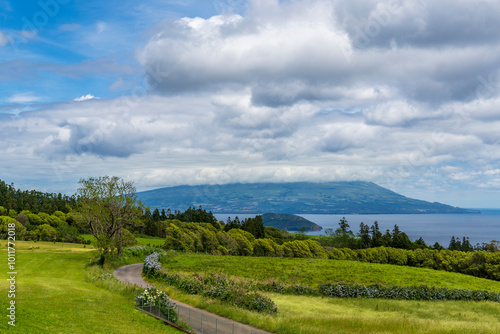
(156, 297)
(151, 265)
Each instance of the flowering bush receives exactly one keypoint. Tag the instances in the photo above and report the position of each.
(106, 276)
(151, 264)
(155, 297)
(422, 292)
(219, 286)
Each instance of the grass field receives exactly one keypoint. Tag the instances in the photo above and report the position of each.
(151, 241)
(317, 315)
(307, 314)
(53, 296)
(314, 272)
(154, 242)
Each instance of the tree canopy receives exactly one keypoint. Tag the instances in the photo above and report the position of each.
(108, 205)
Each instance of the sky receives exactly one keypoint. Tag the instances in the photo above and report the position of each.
(405, 94)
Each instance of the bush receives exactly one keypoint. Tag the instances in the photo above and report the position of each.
(221, 287)
(156, 297)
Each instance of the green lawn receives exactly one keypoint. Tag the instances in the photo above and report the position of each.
(53, 296)
(314, 272)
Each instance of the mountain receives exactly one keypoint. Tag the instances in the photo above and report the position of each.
(355, 197)
(289, 222)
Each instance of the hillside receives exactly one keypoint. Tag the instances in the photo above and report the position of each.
(300, 197)
(289, 222)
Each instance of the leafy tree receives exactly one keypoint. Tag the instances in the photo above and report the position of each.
(4, 227)
(107, 205)
(274, 234)
(47, 232)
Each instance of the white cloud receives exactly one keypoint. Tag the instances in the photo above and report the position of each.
(85, 98)
(3, 39)
(284, 92)
(27, 97)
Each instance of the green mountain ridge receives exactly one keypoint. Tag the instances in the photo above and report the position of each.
(354, 197)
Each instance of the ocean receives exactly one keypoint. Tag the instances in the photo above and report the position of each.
(483, 227)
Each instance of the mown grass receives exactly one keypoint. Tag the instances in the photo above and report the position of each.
(54, 296)
(314, 272)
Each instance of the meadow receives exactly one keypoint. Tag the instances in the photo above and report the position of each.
(310, 314)
(314, 272)
(58, 292)
(54, 294)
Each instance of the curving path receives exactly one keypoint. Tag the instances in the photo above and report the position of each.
(200, 321)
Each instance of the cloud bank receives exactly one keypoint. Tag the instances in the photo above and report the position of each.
(388, 91)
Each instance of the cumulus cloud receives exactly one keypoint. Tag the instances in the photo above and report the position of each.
(85, 98)
(287, 52)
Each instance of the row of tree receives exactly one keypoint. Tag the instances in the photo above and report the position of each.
(34, 201)
(372, 236)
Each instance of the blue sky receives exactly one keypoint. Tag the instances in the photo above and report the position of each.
(163, 93)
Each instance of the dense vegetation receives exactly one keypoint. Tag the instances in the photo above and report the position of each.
(15, 200)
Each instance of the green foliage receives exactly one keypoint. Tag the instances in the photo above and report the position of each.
(192, 215)
(5, 222)
(243, 240)
(108, 205)
(218, 286)
(254, 226)
(297, 248)
(155, 297)
(47, 233)
(15, 200)
(421, 292)
(274, 234)
(267, 247)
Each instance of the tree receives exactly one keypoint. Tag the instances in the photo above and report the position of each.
(108, 205)
(344, 234)
(376, 235)
(364, 236)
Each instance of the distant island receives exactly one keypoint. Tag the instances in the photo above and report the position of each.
(289, 222)
(356, 197)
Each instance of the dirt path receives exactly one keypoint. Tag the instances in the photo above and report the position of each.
(199, 320)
